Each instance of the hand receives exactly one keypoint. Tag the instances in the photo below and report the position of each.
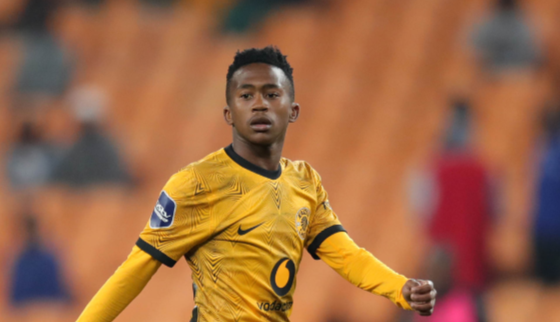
(421, 295)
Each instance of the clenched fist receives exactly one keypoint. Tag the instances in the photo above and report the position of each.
(421, 295)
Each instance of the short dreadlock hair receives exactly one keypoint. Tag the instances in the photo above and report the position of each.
(268, 55)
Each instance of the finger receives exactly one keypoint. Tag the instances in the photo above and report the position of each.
(422, 289)
(422, 307)
(407, 288)
(426, 313)
(411, 283)
(424, 297)
(425, 286)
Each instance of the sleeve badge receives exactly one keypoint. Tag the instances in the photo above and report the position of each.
(164, 212)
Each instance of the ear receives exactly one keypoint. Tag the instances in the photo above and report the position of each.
(227, 115)
(294, 113)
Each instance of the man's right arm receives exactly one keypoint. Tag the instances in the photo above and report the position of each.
(180, 221)
(127, 282)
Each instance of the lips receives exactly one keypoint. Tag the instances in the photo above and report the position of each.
(260, 123)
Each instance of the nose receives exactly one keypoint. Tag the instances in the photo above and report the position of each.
(261, 104)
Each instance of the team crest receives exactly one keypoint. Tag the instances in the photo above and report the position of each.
(302, 221)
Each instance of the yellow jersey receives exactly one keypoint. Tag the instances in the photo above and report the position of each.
(242, 230)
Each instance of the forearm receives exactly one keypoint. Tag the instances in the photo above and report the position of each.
(362, 269)
(125, 284)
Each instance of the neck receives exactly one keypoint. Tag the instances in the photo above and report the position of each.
(264, 156)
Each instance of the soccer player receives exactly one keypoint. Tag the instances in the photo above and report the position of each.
(242, 217)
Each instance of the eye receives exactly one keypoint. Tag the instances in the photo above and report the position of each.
(246, 96)
(273, 95)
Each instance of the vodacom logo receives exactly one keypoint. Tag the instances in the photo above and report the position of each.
(282, 276)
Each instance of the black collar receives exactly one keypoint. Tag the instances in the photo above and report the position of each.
(251, 167)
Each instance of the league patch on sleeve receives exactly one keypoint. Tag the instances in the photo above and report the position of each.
(164, 212)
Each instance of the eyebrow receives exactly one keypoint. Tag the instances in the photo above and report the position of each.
(251, 86)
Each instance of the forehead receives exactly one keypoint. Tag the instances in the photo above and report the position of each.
(259, 74)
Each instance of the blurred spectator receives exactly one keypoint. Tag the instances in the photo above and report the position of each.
(30, 161)
(94, 158)
(35, 16)
(94, 3)
(247, 13)
(547, 221)
(505, 41)
(456, 196)
(462, 212)
(36, 274)
(45, 68)
(159, 3)
(454, 304)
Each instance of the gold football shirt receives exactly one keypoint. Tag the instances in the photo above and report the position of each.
(242, 230)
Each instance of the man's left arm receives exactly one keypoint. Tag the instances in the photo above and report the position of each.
(326, 239)
(362, 269)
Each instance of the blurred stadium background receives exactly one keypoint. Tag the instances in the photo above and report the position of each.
(434, 124)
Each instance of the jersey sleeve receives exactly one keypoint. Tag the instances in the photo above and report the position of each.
(122, 288)
(324, 222)
(180, 220)
(361, 268)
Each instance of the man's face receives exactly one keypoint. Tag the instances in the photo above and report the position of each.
(260, 106)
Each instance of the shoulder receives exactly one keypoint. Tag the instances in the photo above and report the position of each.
(302, 169)
(191, 180)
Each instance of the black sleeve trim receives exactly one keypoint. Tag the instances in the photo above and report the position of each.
(155, 253)
(312, 249)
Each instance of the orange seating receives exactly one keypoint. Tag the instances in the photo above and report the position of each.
(374, 79)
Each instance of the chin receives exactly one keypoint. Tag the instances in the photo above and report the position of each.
(262, 139)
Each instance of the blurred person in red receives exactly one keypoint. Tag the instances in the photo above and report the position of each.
(243, 216)
(455, 195)
(462, 214)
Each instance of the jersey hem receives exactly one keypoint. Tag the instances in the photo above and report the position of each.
(155, 253)
(321, 237)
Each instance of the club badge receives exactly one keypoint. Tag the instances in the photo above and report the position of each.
(302, 221)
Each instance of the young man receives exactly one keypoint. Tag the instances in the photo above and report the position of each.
(243, 215)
